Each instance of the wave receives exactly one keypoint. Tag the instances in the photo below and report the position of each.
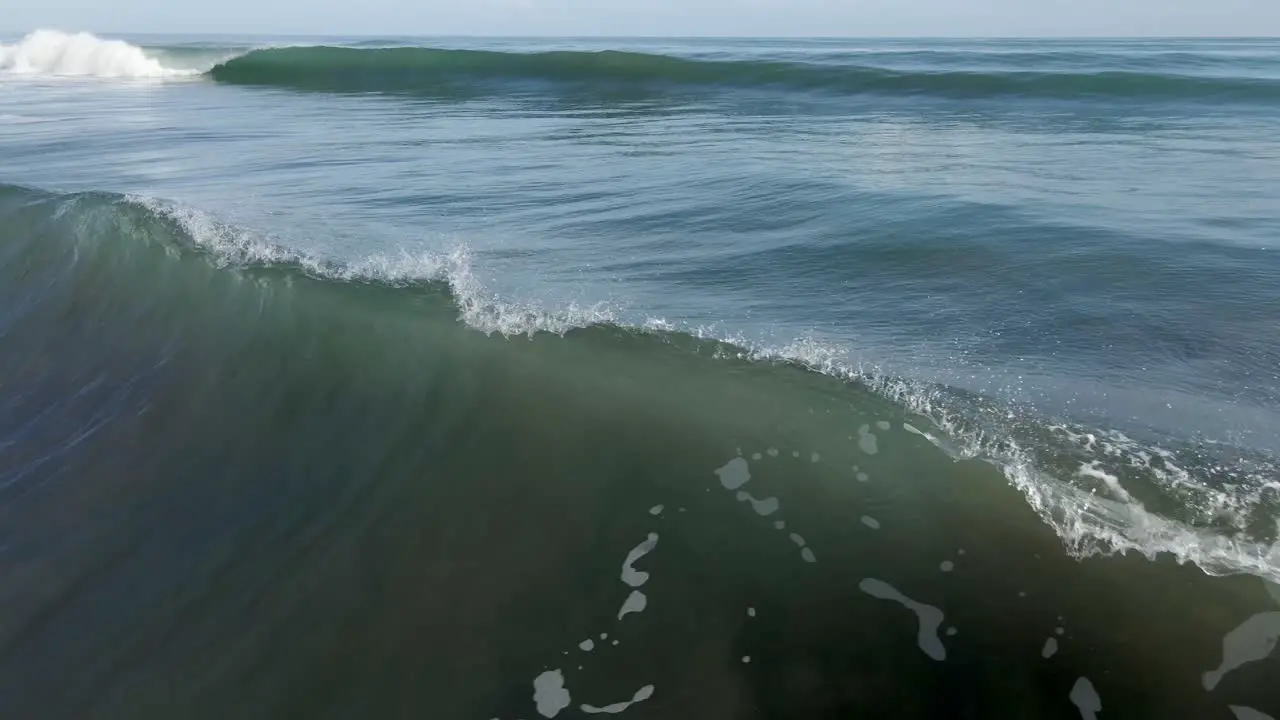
(59, 54)
(446, 72)
(451, 73)
(129, 277)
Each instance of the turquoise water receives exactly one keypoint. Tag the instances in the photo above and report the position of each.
(340, 376)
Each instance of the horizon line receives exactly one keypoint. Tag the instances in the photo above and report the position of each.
(550, 36)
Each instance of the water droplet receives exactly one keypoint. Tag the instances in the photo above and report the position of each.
(1050, 648)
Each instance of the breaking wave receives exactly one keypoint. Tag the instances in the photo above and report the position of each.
(133, 267)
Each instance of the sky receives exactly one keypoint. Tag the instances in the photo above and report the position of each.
(772, 18)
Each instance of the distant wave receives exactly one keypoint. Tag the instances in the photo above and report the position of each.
(443, 72)
(449, 73)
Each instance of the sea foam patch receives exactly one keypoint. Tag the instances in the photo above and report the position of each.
(1255, 639)
(640, 696)
(930, 618)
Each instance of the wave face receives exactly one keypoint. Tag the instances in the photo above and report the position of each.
(54, 53)
(445, 72)
(148, 293)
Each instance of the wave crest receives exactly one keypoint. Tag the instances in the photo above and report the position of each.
(56, 53)
(477, 307)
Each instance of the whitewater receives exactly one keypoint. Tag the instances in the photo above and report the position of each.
(59, 54)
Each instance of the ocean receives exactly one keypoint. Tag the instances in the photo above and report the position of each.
(462, 379)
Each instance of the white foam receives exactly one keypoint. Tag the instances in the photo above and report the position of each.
(1254, 640)
(871, 522)
(947, 566)
(930, 617)
(587, 645)
(228, 245)
(863, 477)
(549, 693)
(636, 602)
(631, 576)
(641, 695)
(1086, 699)
(655, 510)
(734, 474)
(1094, 525)
(477, 307)
(808, 556)
(927, 436)
(751, 612)
(780, 524)
(482, 310)
(883, 424)
(1050, 648)
(797, 539)
(1088, 525)
(60, 54)
(1093, 470)
(814, 457)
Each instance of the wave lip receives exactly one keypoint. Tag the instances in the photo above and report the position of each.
(59, 54)
(436, 71)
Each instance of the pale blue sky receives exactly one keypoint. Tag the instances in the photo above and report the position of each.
(652, 17)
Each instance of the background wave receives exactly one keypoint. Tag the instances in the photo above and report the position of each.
(442, 71)
(376, 66)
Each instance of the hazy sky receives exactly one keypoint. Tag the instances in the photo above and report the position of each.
(652, 17)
